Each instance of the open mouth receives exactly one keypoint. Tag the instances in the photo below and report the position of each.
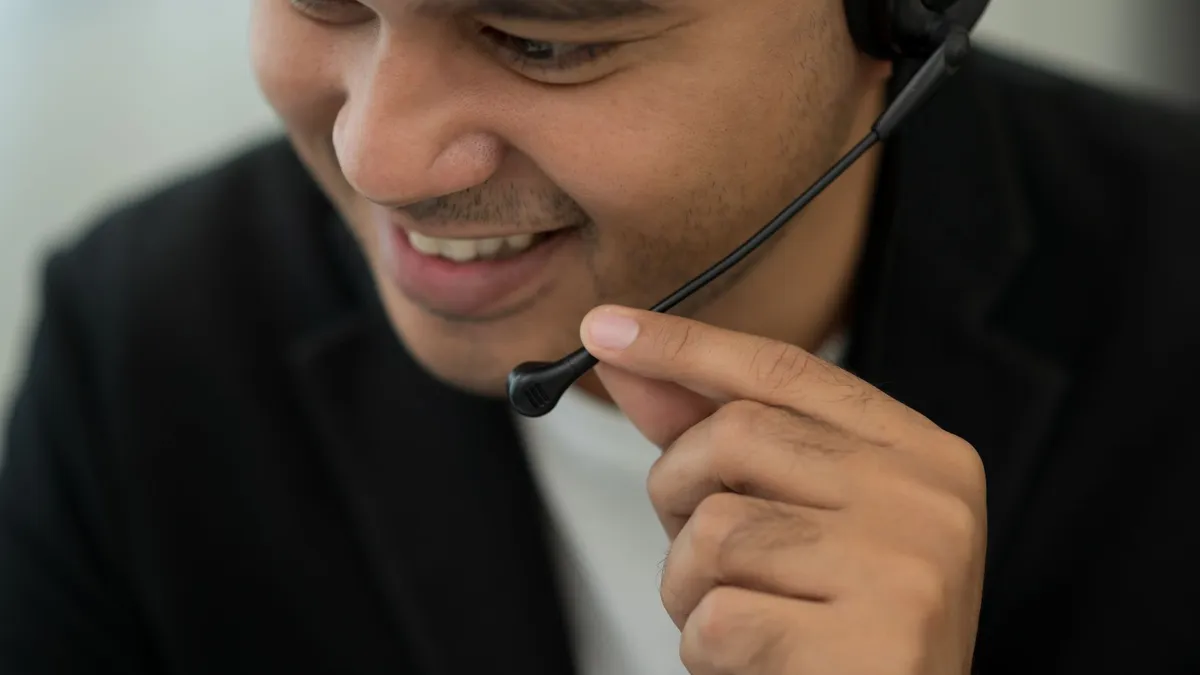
(473, 276)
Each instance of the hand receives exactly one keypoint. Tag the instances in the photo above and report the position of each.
(818, 526)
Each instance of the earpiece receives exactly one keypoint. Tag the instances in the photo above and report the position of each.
(908, 29)
(937, 31)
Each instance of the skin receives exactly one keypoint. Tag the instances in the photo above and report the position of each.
(391, 107)
(817, 526)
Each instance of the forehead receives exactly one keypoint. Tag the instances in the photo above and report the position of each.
(543, 10)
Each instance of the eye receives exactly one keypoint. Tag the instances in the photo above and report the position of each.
(333, 11)
(544, 55)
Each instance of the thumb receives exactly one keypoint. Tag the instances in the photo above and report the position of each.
(662, 411)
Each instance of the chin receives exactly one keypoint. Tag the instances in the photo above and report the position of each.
(475, 363)
(476, 358)
(472, 370)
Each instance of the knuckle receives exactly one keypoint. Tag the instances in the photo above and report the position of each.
(974, 470)
(716, 626)
(968, 471)
(730, 633)
(955, 537)
(734, 423)
(734, 434)
(713, 523)
(960, 521)
(731, 534)
(659, 484)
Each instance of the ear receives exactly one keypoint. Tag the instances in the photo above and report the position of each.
(874, 72)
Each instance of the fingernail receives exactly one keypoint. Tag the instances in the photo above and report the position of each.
(612, 331)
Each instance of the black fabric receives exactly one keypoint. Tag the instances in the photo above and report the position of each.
(223, 461)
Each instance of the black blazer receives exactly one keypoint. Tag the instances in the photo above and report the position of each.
(223, 461)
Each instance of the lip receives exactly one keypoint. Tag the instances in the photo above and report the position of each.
(470, 289)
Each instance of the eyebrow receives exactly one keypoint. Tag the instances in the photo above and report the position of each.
(543, 10)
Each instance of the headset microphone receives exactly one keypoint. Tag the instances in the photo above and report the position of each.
(535, 388)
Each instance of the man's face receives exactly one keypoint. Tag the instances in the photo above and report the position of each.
(637, 143)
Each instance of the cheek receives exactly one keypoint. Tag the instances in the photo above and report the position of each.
(696, 161)
(726, 123)
(628, 164)
(621, 155)
(295, 63)
(666, 165)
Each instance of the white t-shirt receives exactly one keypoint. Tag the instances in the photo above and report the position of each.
(591, 464)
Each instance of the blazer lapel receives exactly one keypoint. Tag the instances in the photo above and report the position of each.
(953, 234)
(446, 510)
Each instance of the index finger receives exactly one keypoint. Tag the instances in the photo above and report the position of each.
(728, 365)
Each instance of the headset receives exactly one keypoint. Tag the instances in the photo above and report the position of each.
(935, 32)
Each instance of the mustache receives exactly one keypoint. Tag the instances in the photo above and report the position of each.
(538, 210)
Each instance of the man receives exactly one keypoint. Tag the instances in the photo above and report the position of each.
(264, 429)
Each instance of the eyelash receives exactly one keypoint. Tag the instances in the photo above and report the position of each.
(517, 49)
(563, 56)
(320, 9)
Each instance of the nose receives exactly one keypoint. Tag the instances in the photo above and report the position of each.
(406, 131)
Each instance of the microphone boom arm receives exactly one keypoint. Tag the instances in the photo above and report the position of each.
(535, 388)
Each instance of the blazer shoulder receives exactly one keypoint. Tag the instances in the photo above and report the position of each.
(1101, 151)
(1044, 104)
(1108, 182)
(220, 250)
(1099, 167)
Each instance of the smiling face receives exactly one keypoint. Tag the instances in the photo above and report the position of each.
(508, 165)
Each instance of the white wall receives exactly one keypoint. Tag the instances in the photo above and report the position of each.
(100, 97)
(97, 98)
(1118, 42)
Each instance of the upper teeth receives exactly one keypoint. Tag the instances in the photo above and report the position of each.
(463, 250)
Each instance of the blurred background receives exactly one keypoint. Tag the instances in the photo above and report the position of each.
(102, 99)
